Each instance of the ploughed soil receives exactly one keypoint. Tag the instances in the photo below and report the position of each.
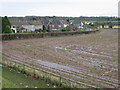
(88, 58)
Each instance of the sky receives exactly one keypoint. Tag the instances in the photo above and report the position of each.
(74, 8)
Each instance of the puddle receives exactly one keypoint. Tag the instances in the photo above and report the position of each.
(68, 69)
(28, 45)
(56, 66)
(99, 63)
(61, 48)
(85, 52)
(81, 51)
(92, 61)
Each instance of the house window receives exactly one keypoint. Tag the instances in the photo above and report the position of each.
(52, 25)
(59, 25)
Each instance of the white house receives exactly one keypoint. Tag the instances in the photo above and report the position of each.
(14, 29)
(30, 28)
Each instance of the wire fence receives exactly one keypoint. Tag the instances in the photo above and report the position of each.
(49, 77)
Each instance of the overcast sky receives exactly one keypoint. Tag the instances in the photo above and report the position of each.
(59, 7)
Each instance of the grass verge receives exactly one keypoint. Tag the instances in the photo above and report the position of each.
(15, 79)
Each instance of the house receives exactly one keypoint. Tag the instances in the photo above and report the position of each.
(25, 26)
(77, 24)
(45, 23)
(31, 28)
(55, 25)
(115, 25)
(110, 25)
(14, 29)
(16, 25)
(65, 24)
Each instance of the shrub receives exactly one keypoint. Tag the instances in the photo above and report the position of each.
(64, 29)
(8, 29)
(83, 29)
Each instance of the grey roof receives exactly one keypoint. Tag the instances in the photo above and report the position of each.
(35, 23)
(56, 22)
(63, 22)
(45, 22)
(115, 23)
(25, 22)
(31, 26)
(76, 22)
(19, 23)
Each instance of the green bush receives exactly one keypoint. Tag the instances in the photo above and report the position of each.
(64, 29)
(48, 30)
(83, 29)
(8, 29)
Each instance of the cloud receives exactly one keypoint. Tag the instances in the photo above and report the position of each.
(60, 7)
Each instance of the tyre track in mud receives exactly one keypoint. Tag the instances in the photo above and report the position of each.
(90, 61)
(77, 72)
(79, 75)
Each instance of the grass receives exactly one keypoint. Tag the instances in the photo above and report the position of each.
(14, 79)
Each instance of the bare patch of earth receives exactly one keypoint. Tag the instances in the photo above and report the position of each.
(91, 58)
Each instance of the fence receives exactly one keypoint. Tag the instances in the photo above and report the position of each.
(41, 35)
(48, 77)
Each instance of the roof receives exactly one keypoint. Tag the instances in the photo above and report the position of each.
(45, 22)
(76, 22)
(115, 23)
(19, 23)
(56, 22)
(24, 22)
(63, 22)
(31, 26)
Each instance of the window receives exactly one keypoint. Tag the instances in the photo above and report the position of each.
(52, 25)
(59, 25)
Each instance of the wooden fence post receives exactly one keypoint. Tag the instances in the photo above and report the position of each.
(7, 63)
(46, 76)
(34, 71)
(23, 69)
(15, 66)
(60, 82)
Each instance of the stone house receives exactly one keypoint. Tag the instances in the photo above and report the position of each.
(25, 26)
(55, 25)
(110, 25)
(31, 28)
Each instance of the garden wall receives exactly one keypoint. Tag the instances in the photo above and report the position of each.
(41, 35)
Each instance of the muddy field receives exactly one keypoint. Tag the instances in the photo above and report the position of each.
(89, 58)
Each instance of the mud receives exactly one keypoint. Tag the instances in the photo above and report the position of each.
(91, 59)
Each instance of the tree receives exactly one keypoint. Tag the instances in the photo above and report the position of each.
(48, 30)
(8, 29)
(6, 25)
(68, 21)
(44, 28)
